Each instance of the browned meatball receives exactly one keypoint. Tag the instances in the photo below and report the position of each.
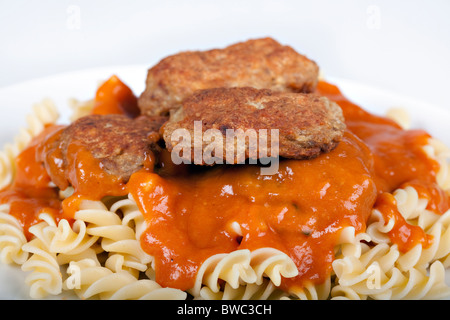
(120, 144)
(307, 124)
(260, 63)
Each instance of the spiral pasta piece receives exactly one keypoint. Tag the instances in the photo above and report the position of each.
(45, 276)
(252, 291)
(7, 164)
(413, 209)
(272, 263)
(131, 215)
(408, 202)
(233, 268)
(345, 293)
(378, 228)
(351, 270)
(118, 262)
(440, 249)
(80, 108)
(71, 239)
(12, 238)
(400, 116)
(89, 280)
(241, 268)
(437, 150)
(115, 237)
(375, 275)
(422, 284)
(90, 253)
(351, 243)
(311, 291)
(43, 114)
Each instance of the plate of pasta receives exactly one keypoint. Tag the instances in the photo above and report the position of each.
(94, 205)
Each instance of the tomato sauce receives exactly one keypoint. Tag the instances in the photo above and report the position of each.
(403, 234)
(190, 210)
(31, 192)
(399, 161)
(80, 170)
(300, 211)
(115, 97)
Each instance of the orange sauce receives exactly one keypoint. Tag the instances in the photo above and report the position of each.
(30, 193)
(403, 234)
(115, 97)
(80, 170)
(399, 160)
(190, 211)
(438, 200)
(300, 211)
(41, 171)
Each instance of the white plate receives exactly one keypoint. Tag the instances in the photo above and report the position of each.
(16, 102)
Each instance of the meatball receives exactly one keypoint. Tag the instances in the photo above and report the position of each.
(121, 145)
(306, 124)
(259, 63)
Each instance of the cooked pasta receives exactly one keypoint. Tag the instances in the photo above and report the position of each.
(252, 291)
(438, 250)
(71, 239)
(378, 228)
(399, 115)
(115, 237)
(311, 291)
(80, 108)
(44, 113)
(242, 270)
(12, 238)
(439, 151)
(91, 253)
(89, 280)
(7, 165)
(410, 205)
(418, 273)
(131, 216)
(234, 268)
(374, 275)
(45, 276)
(273, 264)
(413, 209)
(122, 263)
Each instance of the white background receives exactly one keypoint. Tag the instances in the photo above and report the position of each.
(401, 46)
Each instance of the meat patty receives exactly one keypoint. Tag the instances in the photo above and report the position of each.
(307, 124)
(121, 144)
(259, 63)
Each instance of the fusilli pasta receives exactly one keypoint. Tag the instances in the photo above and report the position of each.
(115, 236)
(89, 280)
(12, 238)
(43, 114)
(45, 276)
